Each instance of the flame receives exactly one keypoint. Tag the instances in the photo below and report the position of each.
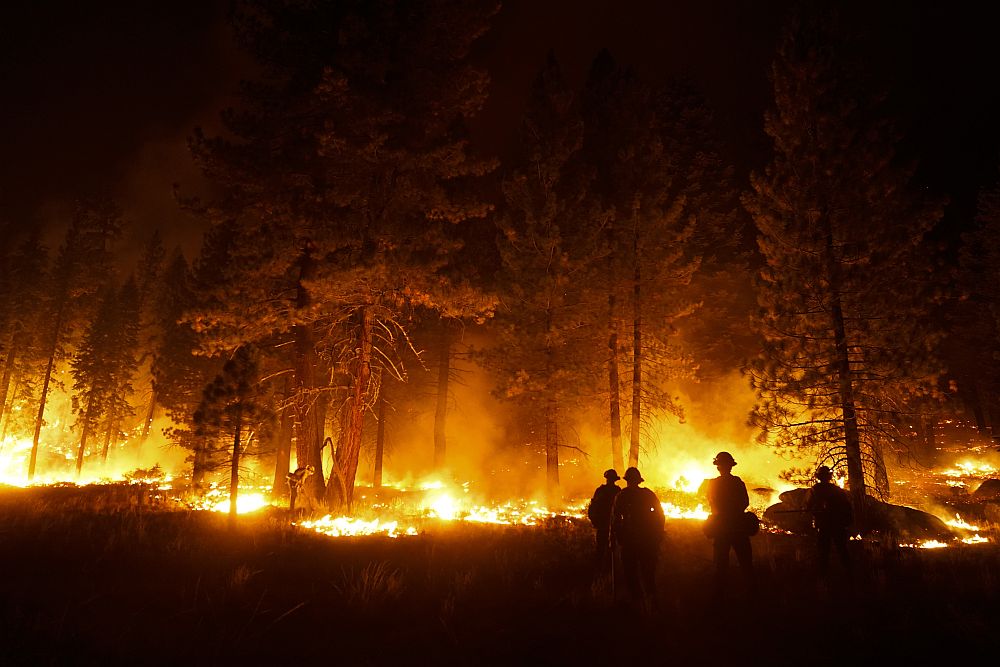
(961, 524)
(343, 526)
(14, 453)
(216, 499)
(969, 468)
(443, 506)
(672, 511)
(924, 544)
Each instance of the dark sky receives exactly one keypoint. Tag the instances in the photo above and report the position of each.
(101, 96)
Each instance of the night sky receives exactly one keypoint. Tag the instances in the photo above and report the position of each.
(100, 97)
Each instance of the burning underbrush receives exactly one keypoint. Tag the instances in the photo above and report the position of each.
(103, 572)
(426, 507)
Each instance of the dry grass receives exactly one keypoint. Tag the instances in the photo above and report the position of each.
(88, 580)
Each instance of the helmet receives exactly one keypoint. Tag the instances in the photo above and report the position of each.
(632, 474)
(724, 459)
(611, 475)
(824, 473)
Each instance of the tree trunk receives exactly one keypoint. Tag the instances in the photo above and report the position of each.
(5, 417)
(199, 466)
(56, 333)
(633, 450)
(614, 383)
(147, 422)
(6, 414)
(234, 470)
(310, 408)
(83, 440)
(8, 369)
(852, 436)
(340, 490)
(112, 427)
(279, 489)
(441, 412)
(380, 441)
(552, 448)
(551, 416)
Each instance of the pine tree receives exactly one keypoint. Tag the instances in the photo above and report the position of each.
(123, 364)
(844, 284)
(545, 255)
(346, 178)
(103, 368)
(25, 272)
(973, 316)
(82, 266)
(232, 404)
(148, 276)
(179, 372)
(657, 179)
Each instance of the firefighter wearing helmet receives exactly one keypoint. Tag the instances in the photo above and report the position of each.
(637, 527)
(599, 513)
(832, 515)
(728, 525)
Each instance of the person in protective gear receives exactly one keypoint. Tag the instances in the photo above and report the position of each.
(637, 527)
(727, 526)
(599, 513)
(832, 515)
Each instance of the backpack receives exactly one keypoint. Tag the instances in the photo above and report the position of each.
(749, 524)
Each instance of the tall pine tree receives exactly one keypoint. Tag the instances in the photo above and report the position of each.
(546, 253)
(657, 181)
(844, 281)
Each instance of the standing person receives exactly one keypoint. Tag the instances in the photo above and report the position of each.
(832, 514)
(599, 513)
(727, 496)
(637, 526)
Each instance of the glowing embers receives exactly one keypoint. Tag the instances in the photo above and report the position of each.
(343, 526)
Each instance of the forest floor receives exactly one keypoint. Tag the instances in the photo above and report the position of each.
(89, 578)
